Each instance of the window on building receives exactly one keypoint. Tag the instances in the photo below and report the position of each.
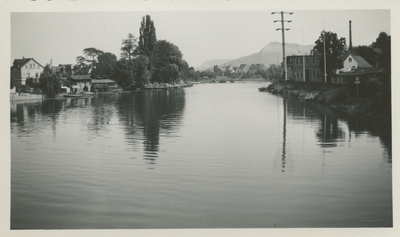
(350, 60)
(301, 74)
(312, 73)
(37, 75)
(307, 61)
(301, 60)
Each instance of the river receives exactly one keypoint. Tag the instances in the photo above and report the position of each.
(207, 156)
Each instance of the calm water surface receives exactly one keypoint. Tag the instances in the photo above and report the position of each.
(209, 156)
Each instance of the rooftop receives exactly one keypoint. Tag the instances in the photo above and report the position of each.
(102, 81)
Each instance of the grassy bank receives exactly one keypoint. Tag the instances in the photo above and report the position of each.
(373, 100)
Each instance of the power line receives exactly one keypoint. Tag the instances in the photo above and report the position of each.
(343, 20)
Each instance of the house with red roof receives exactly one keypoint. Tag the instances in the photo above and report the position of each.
(25, 68)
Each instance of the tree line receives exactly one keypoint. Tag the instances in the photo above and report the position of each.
(143, 60)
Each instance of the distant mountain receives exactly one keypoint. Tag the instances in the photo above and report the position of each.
(270, 54)
(211, 63)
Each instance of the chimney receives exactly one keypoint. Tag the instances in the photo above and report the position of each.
(350, 42)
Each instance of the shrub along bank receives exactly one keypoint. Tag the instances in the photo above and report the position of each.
(372, 100)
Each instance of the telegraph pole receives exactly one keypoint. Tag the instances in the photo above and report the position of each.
(323, 26)
(283, 38)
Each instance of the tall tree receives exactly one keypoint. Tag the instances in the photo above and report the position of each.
(49, 82)
(128, 48)
(147, 37)
(334, 49)
(147, 42)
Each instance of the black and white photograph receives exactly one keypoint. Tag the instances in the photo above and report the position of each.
(198, 118)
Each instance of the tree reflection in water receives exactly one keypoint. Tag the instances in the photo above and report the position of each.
(154, 113)
(146, 116)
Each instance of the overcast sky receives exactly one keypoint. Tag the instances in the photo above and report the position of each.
(200, 35)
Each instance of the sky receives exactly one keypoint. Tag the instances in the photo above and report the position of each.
(200, 35)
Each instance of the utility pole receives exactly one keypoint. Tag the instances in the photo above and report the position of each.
(323, 26)
(283, 38)
(304, 61)
(324, 59)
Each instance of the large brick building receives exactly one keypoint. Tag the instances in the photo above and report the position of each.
(304, 68)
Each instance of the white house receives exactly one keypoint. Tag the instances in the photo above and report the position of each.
(353, 62)
(354, 66)
(25, 68)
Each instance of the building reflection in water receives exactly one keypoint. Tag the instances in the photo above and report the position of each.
(29, 116)
(329, 132)
(332, 127)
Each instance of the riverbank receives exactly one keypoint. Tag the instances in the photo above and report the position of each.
(25, 96)
(374, 102)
